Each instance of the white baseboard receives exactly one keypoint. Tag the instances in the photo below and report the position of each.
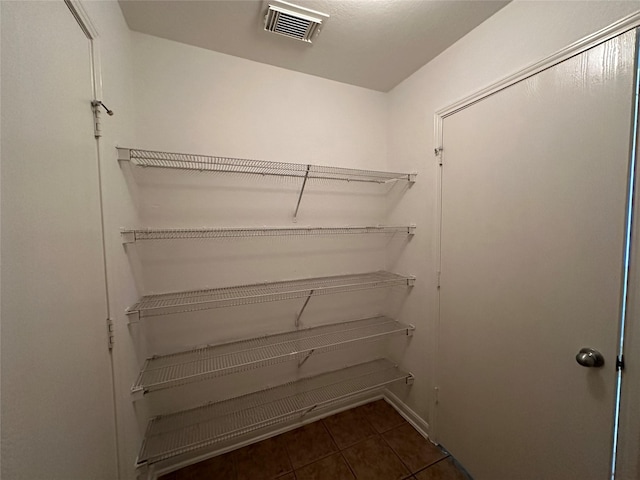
(409, 415)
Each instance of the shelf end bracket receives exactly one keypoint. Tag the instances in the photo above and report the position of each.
(124, 154)
(137, 393)
(304, 183)
(128, 236)
(133, 316)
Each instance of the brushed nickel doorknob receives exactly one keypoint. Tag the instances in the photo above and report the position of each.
(589, 357)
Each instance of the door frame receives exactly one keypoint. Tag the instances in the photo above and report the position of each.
(77, 9)
(626, 430)
(88, 28)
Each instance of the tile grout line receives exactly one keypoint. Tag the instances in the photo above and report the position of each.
(340, 450)
(431, 465)
(396, 453)
(317, 459)
(286, 451)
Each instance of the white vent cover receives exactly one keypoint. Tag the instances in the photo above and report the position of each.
(293, 21)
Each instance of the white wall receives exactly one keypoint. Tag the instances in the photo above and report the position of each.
(114, 44)
(187, 99)
(192, 100)
(180, 98)
(57, 398)
(518, 35)
(195, 100)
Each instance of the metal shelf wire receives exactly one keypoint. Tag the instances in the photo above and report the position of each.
(182, 432)
(160, 372)
(190, 301)
(207, 163)
(136, 235)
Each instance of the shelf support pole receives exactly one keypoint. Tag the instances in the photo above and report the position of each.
(309, 410)
(306, 302)
(306, 357)
(304, 183)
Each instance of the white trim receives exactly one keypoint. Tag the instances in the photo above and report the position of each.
(409, 415)
(88, 27)
(621, 26)
(83, 19)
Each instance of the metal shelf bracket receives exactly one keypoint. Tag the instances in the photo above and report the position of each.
(306, 357)
(410, 379)
(410, 330)
(309, 410)
(411, 281)
(304, 183)
(306, 302)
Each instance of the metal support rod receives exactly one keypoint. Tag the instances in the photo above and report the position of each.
(309, 410)
(304, 183)
(306, 357)
(306, 302)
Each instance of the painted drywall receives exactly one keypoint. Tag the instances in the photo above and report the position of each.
(190, 100)
(114, 47)
(195, 100)
(186, 99)
(170, 96)
(57, 411)
(518, 35)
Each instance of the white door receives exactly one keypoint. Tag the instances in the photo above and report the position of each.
(57, 400)
(534, 194)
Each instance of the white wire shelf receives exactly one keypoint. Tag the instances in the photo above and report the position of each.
(190, 301)
(305, 172)
(136, 235)
(207, 163)
(182, 432)
(166, 371)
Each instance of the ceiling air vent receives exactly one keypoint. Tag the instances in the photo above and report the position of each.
(293, 21)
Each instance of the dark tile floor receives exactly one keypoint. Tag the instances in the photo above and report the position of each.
(371, 442)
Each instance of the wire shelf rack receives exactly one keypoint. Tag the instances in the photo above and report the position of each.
(207, 163)
(136, 235)
(182, 432)
(166, 371)
(190, 301)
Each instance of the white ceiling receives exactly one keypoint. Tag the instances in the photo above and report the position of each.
(370, 43)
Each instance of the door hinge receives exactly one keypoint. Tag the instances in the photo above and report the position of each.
(97, 125)
(620, 363)
(110, 334)
(436, 392)
(438, 154)
(438, 280)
